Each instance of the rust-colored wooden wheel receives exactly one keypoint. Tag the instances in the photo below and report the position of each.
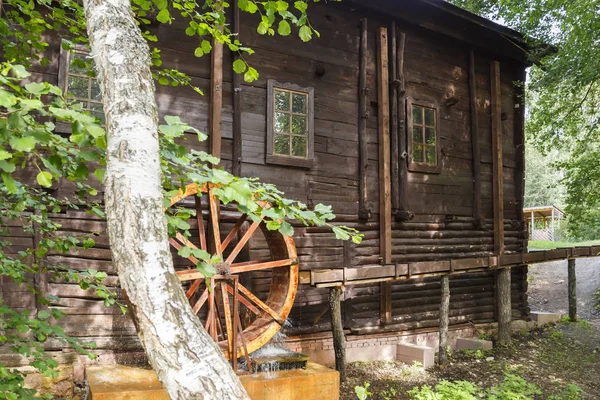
(263, 309)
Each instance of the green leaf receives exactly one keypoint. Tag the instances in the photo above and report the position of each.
(206, 46)
(7, 167)
(185, 252)
(9, 182)
(5, 155)
(286, 229)
(251, 75)
(7, 99)
(284, 28)
(36, 88)
(357, 239)
(44, 178)
(20, 71)
(239, 66)
(43, 314)
(164, 16)
(305, 33)
(199, 52)
(26, 143)
(340, 234)
(99, 174)
(273, 225)
(95, 130)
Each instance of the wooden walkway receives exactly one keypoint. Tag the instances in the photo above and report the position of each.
(388, 272)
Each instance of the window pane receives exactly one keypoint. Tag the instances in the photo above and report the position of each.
(78, 64)
(282, 144)
(95, 90)
(78, 87)
(429, 117)
(299, 146)
(417, 115)
(430, 135)
(417, 134)
(418, 153)
(98, 111)
(430, 155)
(282, 122)
(299, 103)
(299, 124)
(282, 100)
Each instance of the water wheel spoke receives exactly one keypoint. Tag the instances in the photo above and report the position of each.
(200, 302)
(178, 245)
(243, 300)
(234, 231)
(260, 303)
(242, 242)
(243, 338)
(200, 219)
(214, 222)
(194, 286)
(228, 321)
(189, 275)
(258, 265)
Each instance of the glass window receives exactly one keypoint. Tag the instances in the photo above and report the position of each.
(81, 86)
(424, 135)
(290, 123)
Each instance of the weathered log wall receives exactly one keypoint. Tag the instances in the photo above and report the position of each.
(435, 69)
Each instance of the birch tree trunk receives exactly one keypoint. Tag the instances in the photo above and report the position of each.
(186, 359)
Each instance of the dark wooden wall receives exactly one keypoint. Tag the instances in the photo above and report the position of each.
(436, 68)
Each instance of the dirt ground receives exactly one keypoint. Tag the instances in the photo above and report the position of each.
(551, 358)
(548, 288)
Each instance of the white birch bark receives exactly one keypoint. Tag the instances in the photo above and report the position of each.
(187, 361)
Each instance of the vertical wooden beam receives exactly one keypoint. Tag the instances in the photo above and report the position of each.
(498, 174)
(395, 133)
(40, 279)
(403, 213)
(503, 300)
(572, 290)
(216, 98)
(475, 142)
(444, 320)
(236, 167)
(385, 302)
(519, 132)
(337, 328)
(385, 206)
(385, 211)
(363, 114)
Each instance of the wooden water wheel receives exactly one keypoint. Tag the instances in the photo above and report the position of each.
(231, 293)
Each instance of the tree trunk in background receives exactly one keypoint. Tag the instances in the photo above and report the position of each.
(187, 361)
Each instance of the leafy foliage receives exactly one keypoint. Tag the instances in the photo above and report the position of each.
(36, 158)
(563, 91)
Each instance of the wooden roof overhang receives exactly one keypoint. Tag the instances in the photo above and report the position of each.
(390, 272)
(452, 21)
(546, 211)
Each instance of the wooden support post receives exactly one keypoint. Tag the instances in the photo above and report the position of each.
(216, 98)
(519, 131)
(475, 142)
(385, 211)
(385, 302)
(572, 290)
(503, 300)
(339, 340)
(444, 317)
(403, 213)
(40, 279)
(236, 168)
(385, 206)
(394, 133)
(498, 173)
(363, 114)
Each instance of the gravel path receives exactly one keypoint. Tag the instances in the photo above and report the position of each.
(548, 288)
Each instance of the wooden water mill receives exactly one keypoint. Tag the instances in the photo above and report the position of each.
(239, 318)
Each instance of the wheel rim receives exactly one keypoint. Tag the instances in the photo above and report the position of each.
(217, 308)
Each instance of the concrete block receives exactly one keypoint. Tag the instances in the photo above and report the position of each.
(409, 353)
(371, 353)
(473, 344)
(543, 318)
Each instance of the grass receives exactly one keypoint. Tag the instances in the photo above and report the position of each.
(547, 245)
